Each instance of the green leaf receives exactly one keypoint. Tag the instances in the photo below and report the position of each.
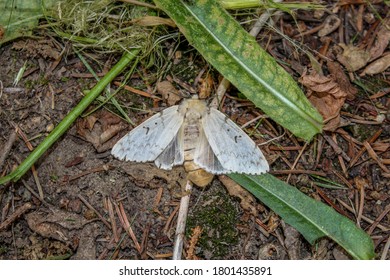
(19, 17)
(311, 218)
(239, 58)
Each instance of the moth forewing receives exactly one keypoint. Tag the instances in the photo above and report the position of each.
(148, 140)
(234, 149)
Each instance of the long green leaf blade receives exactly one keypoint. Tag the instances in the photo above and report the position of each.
(311, 218)
(237, 56)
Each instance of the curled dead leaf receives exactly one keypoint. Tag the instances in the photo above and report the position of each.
(100, 129)
(353, 58)
(58, 224)
(378, 66)
(206, 86)
(381, 41)
(168, 92)
(327, 96)
(247, 200)
(342, 80)
(331, 23)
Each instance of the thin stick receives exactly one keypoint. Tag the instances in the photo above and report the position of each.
(385, 249)
(349, 208)
(94, 210)
(14, 216)
(296, 161)
(126, 225)
(375, 157)
(181, 223)
(361, 204)
(377, 220)
(363, 149)
(7, 148)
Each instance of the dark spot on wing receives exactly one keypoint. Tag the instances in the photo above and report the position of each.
(236, 138)
(147, 129)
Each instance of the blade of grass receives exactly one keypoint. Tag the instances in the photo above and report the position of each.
(60, 129)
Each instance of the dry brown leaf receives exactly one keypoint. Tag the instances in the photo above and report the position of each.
(353, 58)
(327, 96)
(168, 92)
(381, 41)
(378, 66)
(331, 23)
(206, 86)
(247, 201)
(154, 21)
(342, 80)
(57, 224)
(100, 129)
(44, 48)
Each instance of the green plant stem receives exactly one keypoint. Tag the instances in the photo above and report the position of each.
(63, 126)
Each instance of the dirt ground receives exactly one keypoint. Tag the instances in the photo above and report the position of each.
(93, 206)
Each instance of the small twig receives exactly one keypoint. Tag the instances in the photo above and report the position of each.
(377, 220)
(158, 197)
(296, 161)
(94, 210)
(18, 212)
(262, 227)
(340, 158)
(336, 148)
(33, 170)
(375, 157)
(170, 219)
(104, 167)
(137, 91)
(363, 149)
(7, 148)
(330, 202)
(126, 225)
(36, 195)
(385, 249)
(181, 223)
(112, 219)
(349, 208)
(361, 204)
(144, 241)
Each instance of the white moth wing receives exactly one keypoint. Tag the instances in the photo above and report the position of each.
(173, 153)
(148, 140)
(205, 158)
(234, 149)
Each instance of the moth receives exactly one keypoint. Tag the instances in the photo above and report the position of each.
(192, 132)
